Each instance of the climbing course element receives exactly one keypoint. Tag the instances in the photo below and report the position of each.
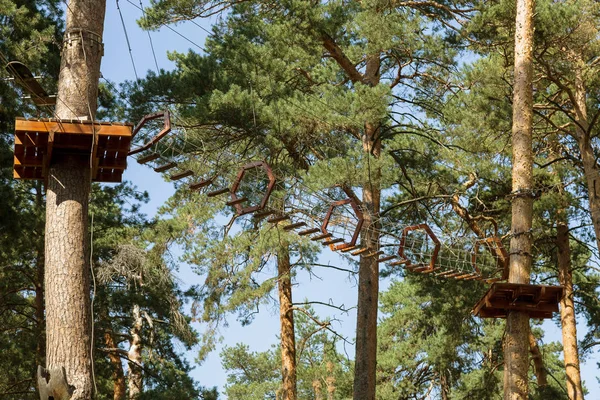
(330, 220)
(405, 252)
(237, 201)
(539, 301)
(166, 116)
(39, 141)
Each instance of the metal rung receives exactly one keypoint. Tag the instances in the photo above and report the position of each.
(278, 218)
(294, 226)
(309, 231)
(181, 175)
(384, 259)
(217, 192)
(332, 241)
(323, 236)
(236, 201)
(148, 158)
(359, 251)
(263, 214)
(200, 185)
(165, 167)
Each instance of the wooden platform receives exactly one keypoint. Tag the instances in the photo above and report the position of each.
(37, 142)
(540, 301)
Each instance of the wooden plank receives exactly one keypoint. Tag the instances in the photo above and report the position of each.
(278, 218)
(72, 128)
(294, 226)
(309, 231)
(181, 175)
(165, 167)
(384, 259)
(320, 237)
(148, 158)
(236, 201)
(332, 241)
(218, 192)
(360, 251)
(200, 185)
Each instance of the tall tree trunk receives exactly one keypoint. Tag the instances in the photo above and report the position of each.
(516, 343)
(567, 309)
(117, 367)
(286, 317)
(330, 382)
(67, 278)
(365, 361)
(584, 140)
(40, 351)
(317, 389)
(134, 378)
(538, 362)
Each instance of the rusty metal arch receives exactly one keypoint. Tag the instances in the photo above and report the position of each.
(436, 250)
(236, 201)
(357, 212)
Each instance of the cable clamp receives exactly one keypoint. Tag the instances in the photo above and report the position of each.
(77, 35)
(524, 193)
(522, 233)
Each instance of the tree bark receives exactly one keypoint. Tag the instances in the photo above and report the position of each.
(584, 141)
(67, 280)
(330, 382)
(516, 343)
(286, 317)
(365, 362)
(134, 378)
(117, 368)
(567, 310)
(538, 362)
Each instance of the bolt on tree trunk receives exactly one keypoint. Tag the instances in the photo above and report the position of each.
(286, 317)
(67, 277)
(516, 343)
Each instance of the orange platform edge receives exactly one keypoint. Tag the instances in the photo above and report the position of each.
(38, 141)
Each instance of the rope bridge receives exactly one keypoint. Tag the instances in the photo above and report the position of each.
(331, 217)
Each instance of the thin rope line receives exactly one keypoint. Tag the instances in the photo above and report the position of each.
(127, 40)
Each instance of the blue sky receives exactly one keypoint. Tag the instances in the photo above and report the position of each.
(328, 284)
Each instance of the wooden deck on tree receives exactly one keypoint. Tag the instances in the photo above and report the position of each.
(37, 142)
(540, 301)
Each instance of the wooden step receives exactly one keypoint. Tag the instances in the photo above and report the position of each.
(181, 175)
(309, 231)
(236, 201)
(294, 226)
(217, 192)
(278, 218)
(263, 214)
(200, 185)
(332, 241)
(148, 158)
(360, 251)
(384, 259)
(165, 167)
(321, 236)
